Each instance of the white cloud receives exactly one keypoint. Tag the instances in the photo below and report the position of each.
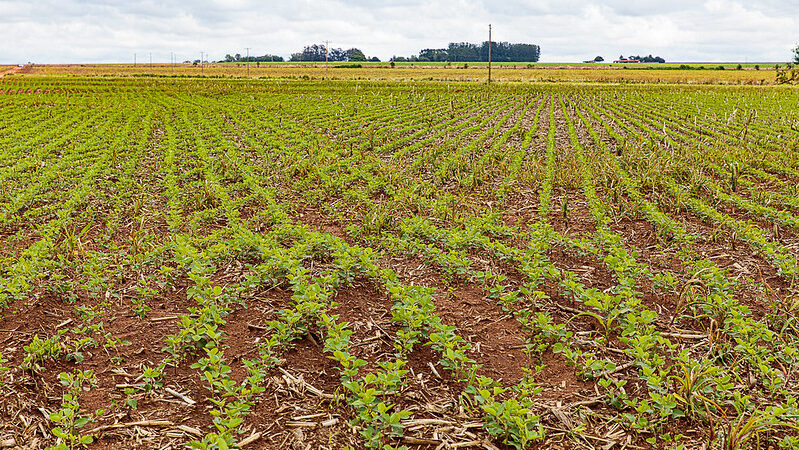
(51, 31)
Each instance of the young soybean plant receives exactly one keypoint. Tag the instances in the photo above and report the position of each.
(3, 368)
(70, 418)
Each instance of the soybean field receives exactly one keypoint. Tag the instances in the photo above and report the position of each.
(331, 264)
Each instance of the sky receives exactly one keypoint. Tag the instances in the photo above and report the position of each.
(107, 31)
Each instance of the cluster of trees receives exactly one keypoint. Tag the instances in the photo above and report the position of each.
(468, 52)
(646, 59)
(455, 52)
(790, 75)
(265, 58)
(317, 53)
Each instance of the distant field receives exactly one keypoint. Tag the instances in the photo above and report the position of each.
(475, 72)
(302, 264)
(521, 65)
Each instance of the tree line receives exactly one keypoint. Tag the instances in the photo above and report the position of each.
(455, 52)
(318, 53)
(646, 59)
(468, 52)
(265, 58)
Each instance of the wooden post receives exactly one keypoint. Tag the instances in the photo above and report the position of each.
(248, 61)
(489, 53)
(327, 51)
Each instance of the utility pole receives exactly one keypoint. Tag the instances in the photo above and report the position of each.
(201, 62)
(248, 61)
(134, 60)
(327, 50)
(172, 61)
(151, 60)
(489, 53)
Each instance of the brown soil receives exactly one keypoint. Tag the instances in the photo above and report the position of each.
(304, 405)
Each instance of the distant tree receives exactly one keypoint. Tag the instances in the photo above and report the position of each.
(599, 59)
(463, 51)
(317, 53)
(374, 59)
(647, 59)
(433, 54)
(519, 52)
(270, 58)
(313, 52)
(468, 52)
(790, 75)
(355, 54)
(264, 58)
(337, 54)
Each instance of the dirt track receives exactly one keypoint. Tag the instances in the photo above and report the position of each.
(11, 71)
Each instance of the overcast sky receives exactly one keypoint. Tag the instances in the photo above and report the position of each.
(71, 31)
